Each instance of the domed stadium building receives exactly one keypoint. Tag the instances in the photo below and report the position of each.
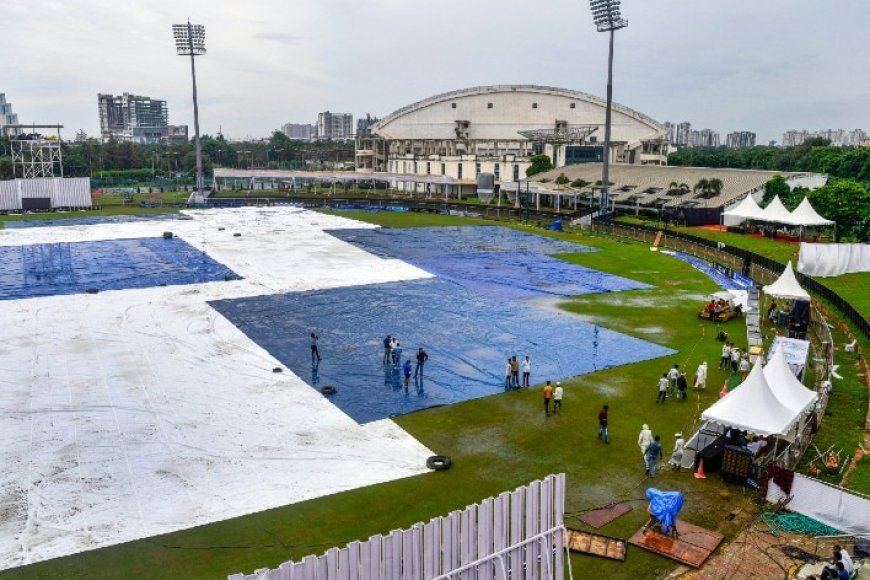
(497, 130)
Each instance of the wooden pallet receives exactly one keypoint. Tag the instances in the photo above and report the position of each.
(595, 544)
(691, 546)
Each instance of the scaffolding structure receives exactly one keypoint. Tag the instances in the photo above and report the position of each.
(35, 155)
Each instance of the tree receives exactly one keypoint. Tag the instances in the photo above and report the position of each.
(715, 186)
(562, 179)
(579, 183)
(847, 202)
(678, 189)
(539, 164)
(776, 186)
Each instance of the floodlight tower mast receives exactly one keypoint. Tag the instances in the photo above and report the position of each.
(606, 15)
(190, 41)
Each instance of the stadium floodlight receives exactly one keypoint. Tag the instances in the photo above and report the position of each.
(607, 17)
(190, 41)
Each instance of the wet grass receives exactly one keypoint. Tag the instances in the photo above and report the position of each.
(496, 444)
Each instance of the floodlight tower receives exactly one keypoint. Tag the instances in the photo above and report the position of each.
(605, 14)
(190, 41)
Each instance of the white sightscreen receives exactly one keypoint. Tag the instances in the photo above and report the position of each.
(9, 198)
(72, 192)
(831, 505)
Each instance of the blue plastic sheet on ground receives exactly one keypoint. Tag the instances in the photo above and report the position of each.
(721, 279)
(664, 506)
(73, 268)
(468, 338)
(499, 262)
(92, 220)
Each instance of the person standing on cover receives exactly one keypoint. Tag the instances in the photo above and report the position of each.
(406, 369)
(515, 372)
(653, 454)
(644, 439)
(508, 373)
(548, 394)
(557, 398)
(527, 371)
(422, 357)
(663, 389)
(397, 352)
(701, 377)
(388, 349)
(602, 424)
(315, 353)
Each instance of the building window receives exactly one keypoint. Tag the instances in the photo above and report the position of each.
(489, 105)
(516, 172)
(573, 105)
(497, 171)
(428, 168)
(452, 105)
(443, 169)
(404, 167)
(534, 105)
(459, 172)
(415, 167)
(476, 169)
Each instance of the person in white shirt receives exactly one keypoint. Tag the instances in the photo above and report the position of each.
(508, 374)
(644, 439)
(744, 368)
(527, 371)
(677, 455)
(701, 377)
(845, 558)
(735, 359)
(557, 398)
(725, 361)
(673, 375)
(663, 389)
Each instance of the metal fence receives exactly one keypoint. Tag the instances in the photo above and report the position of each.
(518, 535)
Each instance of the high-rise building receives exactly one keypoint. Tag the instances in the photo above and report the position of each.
(300, 131)
(364, 126)
(336, 126)
(682, 134)
(133, 118)
(740, 139)
(7, 117)
(837, 137)
(704, 138)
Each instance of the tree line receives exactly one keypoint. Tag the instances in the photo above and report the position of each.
(88, 157)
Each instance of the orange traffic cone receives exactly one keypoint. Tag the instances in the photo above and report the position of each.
(700, 473)
(724, 390)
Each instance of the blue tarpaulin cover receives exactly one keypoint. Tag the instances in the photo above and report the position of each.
(664, 506)
(74, 267)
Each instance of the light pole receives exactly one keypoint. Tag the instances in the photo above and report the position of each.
(605, 14)
(190, 41)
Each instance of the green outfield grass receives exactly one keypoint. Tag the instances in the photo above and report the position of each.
(500, 442)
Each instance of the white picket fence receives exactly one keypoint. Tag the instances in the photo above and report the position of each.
(518, 535)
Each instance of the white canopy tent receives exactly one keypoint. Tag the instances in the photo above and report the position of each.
(775, 212)
(747, 209)
(805, 215)
(786, 286)
(754, 407)
(785, 385)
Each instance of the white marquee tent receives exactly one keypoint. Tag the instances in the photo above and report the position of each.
(805, 215)
(785, 386)
(747, 209)
(775, 212)
(786, 286)
(754, 407)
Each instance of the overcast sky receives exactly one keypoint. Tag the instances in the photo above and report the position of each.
(760, 65)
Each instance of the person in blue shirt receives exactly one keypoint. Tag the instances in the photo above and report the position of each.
(406, 368)
(653, 454)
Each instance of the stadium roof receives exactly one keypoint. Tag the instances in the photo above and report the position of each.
(648, 185)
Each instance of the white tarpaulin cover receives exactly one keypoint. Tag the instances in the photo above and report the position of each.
(786, 286)
(786, 386)
(775, 212)
(752, 406)
(747, 209)
(833, 259)
(805, 215)
(132, 413)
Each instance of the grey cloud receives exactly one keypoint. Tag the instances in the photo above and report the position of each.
(282, 37)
